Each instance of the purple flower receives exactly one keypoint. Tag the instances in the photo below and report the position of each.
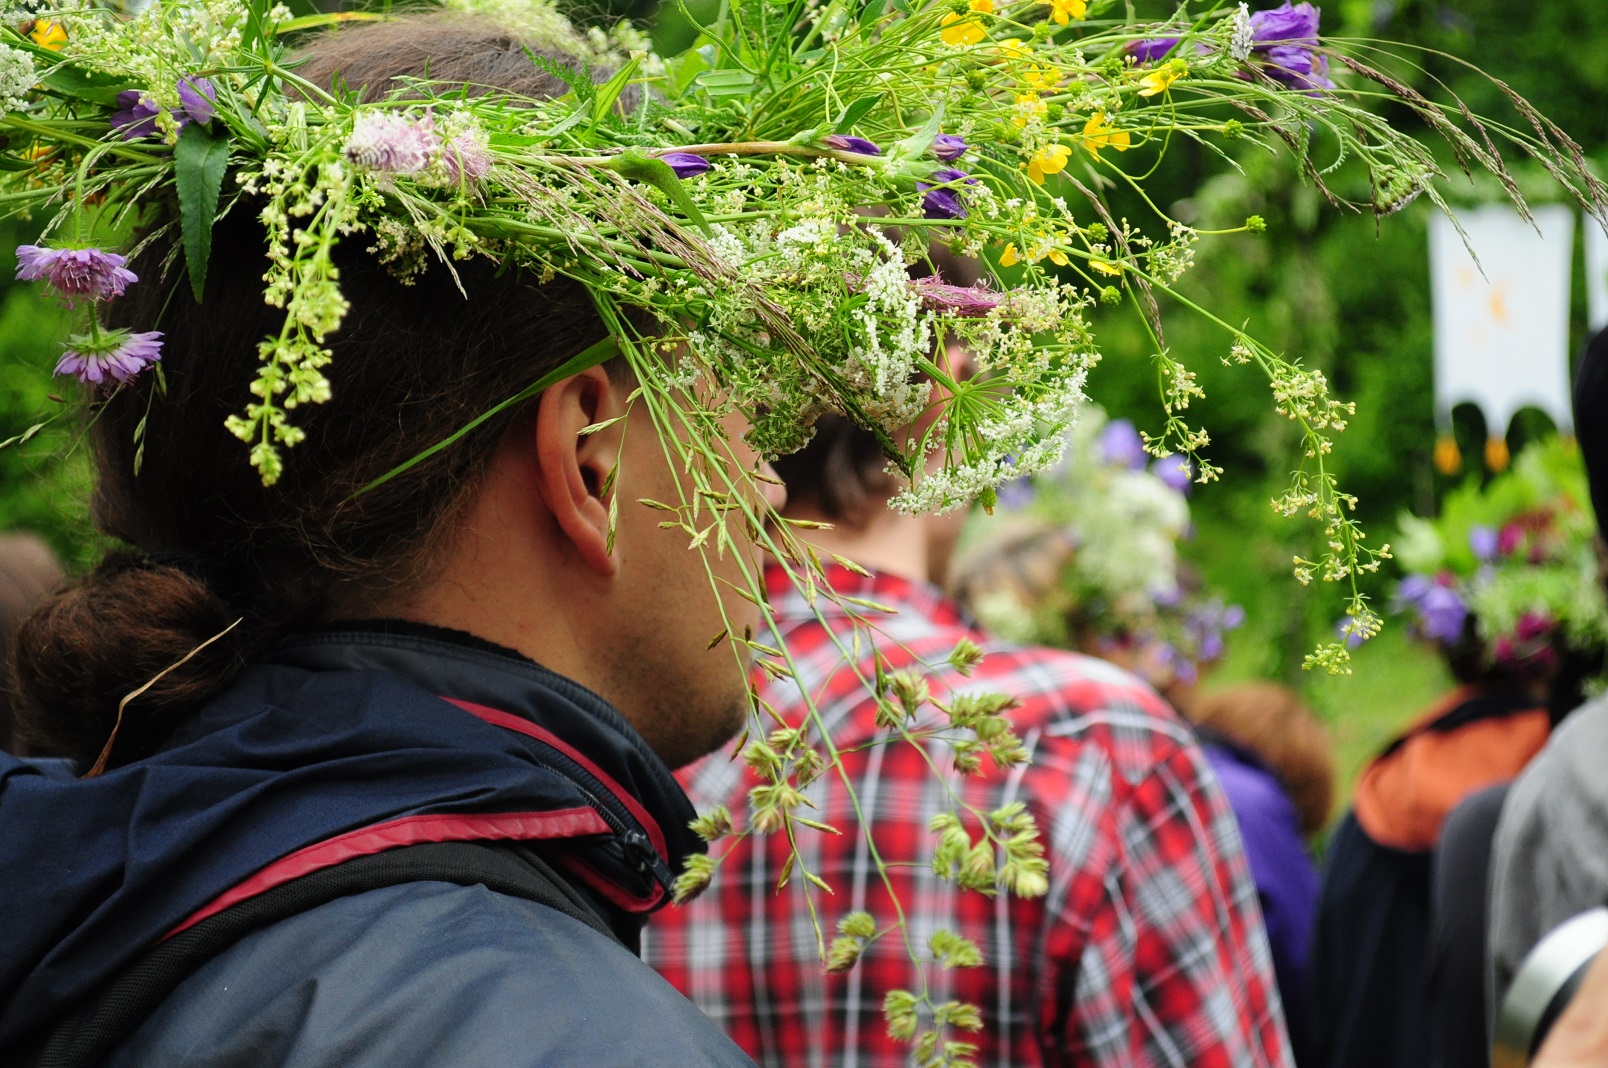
(944, 203)
(845, 143)
(1155, 48)
(1483, 541)
(949, 147)
(1287, 22)
(137, 118)
(465, 159)
(115, 357)
(686, 164)
(1016, 494)
(198, 100)
(393, 144)
(1175, 471)
(1297, 67)
(1441, 615)
(963, 302)
(1411, 591)
(1121, 445)
(75, 272)
(1233, 617)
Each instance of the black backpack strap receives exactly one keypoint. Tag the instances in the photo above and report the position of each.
(87, 1034)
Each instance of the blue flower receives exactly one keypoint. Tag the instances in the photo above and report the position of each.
(1121, 445)
(949, 147)
(845, 143)
(686, 164)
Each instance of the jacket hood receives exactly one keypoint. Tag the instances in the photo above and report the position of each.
(1470, 739)
(337, 744)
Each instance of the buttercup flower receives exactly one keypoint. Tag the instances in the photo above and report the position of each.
(1051, 160)
(1029, 106)
(1159, 79)
(1098, 133)
(949, 147)
(1042, 79)
(944, 203)
(1063, 10)
(844, 143)
(392, 144)
(113, 356)
(1010, 257)
(75, 272)
(687, 164)
(962, 30)
(48, 33)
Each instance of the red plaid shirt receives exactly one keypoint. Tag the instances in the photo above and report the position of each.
(1147, 950)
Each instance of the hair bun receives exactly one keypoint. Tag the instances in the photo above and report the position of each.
(103, 637)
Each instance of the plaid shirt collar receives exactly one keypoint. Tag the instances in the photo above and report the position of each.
(910, 597)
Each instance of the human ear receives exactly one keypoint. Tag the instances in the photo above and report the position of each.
(572, 467)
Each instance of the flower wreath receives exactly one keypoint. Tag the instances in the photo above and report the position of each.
(757, 201)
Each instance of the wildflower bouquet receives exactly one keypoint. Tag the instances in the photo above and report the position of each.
(1085, 555)
(1515, 558)
(745, 216)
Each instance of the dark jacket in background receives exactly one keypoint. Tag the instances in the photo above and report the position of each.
(345, 744)
(1371, 949)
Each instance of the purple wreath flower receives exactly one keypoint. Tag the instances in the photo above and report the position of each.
(1441, 615)
(1153, 49)
(1483, 542)
(944, 203)
(117, 356)
(1175, 471)
(963, 302)
(465, 159)
(1287, 22)
(393, 144)
(845, 143)
(686, 164)
(1298, 67)
(137, 117)
(949, 147)
(1121, 445)
(198, 100)
(75, 272)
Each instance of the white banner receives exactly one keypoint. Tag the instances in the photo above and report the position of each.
(1502, 337)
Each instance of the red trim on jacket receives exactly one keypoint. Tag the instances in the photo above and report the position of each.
(406, 831)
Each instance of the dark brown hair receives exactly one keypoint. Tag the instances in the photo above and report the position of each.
(208, 543)
(1272, 723)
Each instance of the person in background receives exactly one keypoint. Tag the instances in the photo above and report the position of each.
(28, 571)
(1146, 946)
(1086, 557)
(1492, 583)
(1275, 761)
(1551, 852)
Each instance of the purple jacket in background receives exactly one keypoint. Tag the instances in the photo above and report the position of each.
(1286, 879)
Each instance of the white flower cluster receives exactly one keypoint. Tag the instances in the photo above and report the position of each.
(17, 78)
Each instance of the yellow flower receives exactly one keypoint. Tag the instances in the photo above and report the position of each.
(1051, 160)
(1062, 10)
(1058, 257)
(1106, 268)
(1029, 106)
(961, 30)
(1158, 80)
(1013, 48)
(1010, 257)
(1042, 78)
(48, 33)
(1098, 134)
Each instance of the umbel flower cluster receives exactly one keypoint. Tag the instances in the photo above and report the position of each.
(747, 217)
(1511, 565)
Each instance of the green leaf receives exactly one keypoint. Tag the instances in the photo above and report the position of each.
(199, 162)
(726, 82)
(90, 86)
(916, 145)
(610, 90)
(638, 166)
(854, 113)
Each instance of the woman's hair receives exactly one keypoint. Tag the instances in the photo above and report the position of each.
(1272, 723)
(208, 544)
